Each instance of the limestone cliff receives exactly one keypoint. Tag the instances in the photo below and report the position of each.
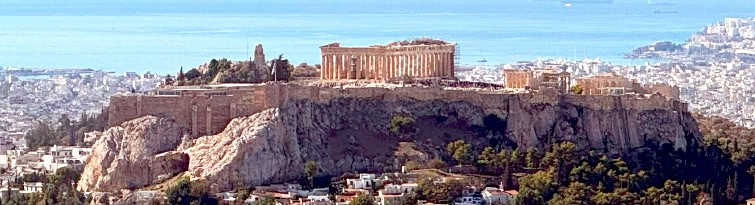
(349, 133)
(134, 155)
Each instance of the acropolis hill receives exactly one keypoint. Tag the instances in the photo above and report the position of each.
(344, 129)
(255, 133)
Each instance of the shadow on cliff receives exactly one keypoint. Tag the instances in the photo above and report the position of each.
(352, 135)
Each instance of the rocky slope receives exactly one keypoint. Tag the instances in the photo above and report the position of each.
(350, 134)
(134, 155)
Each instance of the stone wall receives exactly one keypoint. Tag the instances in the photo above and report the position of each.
(209, 114)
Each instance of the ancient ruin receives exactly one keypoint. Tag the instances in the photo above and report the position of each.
(537, 80)
(612, 84)
(420, 58)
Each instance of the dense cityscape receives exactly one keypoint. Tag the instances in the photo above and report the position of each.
(266, 132)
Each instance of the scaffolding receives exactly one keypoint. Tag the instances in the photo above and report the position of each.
(457, 56)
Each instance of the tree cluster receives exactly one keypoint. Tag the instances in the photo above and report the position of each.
(226, 71)
(65, 131)
(59, 188)
(401, 124)
(186, 192)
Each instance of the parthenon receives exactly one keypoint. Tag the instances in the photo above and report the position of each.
(420, 58)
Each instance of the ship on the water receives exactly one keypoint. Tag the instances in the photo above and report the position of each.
(37, 72)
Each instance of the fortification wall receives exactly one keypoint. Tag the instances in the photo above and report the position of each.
(210, 114)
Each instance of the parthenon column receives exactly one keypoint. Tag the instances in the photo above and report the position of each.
(333, 66)
(388, 66)
(329, 57)
(323, 67)
(413, 66)
(425, 72)
(396, 69)
(451, 65)
(382, 67)
(400, 66)
(374, 61)
(417, 64)
(392, 68)
(361, 62)
(442, 64)
(435, 65)
(339, 64)
(415, 61)
(420, 66)
(336, 66)
(423, 63)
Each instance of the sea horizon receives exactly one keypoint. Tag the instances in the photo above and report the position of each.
(162, 37)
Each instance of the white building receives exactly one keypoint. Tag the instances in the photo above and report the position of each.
(469, 200)
(33, 187)
(365, 181)
(492, 195)
(401, 188)
(385, 198)
(64, 156)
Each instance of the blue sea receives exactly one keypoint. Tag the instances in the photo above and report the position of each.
(162, 36)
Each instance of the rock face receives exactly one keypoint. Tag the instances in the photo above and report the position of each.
(134, 155)
(351, 134)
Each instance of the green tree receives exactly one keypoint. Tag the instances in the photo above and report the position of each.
(180, 77)
(401, 124)
(192, 74)
(41, 134)
(536, 188)
(577, 89)
(460, 151)
(561, 158)
(439, 192)
(575, 193)
(310, 169)
(412, 165)
(282, 69)
(487, 157)
(180, 193)
(436, 164)
(186, 192)
(530, 159)
(515, 159)
(363, 199)
(265, 201)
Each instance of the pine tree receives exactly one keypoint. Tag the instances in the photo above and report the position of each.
(180, 74)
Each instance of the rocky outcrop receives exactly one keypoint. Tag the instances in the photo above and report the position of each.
(346, 134)
(136, 154)
(350, 134)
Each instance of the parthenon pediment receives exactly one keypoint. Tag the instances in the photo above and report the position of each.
(334, 44)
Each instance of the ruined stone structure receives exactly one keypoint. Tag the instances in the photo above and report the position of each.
(537, 80)
(613, 84)
(608, 84)
(517, 79)
(259, 55)
(421, 58)
(208, 110)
